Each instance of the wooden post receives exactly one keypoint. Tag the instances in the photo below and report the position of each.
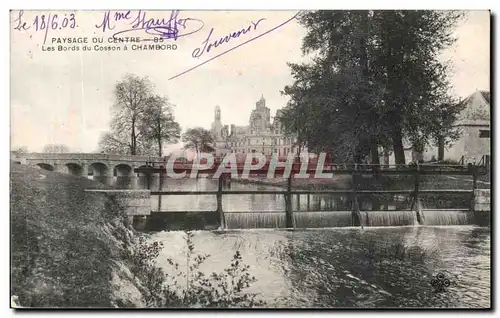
(219, 202)
(416, 196)
(474, 187)
(288, 203)
(355, 204)
(148, 179)
(298, 202)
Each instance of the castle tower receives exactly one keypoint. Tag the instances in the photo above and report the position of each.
(261, 103)
(217, 124)
(217, 113)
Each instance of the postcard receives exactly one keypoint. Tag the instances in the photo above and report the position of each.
(250, 159)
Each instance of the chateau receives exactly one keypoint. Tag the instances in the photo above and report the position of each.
(260, 136)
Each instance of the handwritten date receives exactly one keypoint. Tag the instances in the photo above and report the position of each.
(45, 22)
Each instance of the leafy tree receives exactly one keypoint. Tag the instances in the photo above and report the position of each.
(55, 148)
(416, 79)
(20, 150)
(142, 122)
(198, 139)
(336, 95)
(158, 123)
(375, 79)
(114, 143)
(446, 132)
(131, 95)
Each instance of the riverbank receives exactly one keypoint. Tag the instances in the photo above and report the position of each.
(336, 183)
(69, 248)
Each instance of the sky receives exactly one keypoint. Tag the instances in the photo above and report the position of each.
(65, 97)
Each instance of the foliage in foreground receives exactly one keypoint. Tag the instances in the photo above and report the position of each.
(191, 287)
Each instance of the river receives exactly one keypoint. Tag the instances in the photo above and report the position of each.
(351, 267)
(376, 266)
(310, 211)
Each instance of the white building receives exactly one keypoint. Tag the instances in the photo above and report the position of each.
(473, 125)
(260, 136)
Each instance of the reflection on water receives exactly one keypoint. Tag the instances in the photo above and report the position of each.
(266, 202)
(373, 267)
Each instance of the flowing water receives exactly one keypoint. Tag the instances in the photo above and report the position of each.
(350, 267)
(325, 262)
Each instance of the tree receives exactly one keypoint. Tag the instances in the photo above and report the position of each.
(375, 79)
(114, 143)
(446, 132)
(131, 96)
(198, 139)
(158, 124)
(336, 96)
(142, 122)
(55, 148)
(20, 150)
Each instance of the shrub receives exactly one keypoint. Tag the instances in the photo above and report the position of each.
(191, 288)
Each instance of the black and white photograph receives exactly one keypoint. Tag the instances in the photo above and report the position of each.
(259, 159)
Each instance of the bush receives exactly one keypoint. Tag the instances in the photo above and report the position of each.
(226, 289)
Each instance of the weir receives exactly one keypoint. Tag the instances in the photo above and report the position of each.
(415, 214)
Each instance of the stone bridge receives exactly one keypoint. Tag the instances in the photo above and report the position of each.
(85, 164)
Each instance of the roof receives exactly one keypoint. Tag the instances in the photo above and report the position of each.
(486, 96)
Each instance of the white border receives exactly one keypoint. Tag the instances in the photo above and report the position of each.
(192, 4)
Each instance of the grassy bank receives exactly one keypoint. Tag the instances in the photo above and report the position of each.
(71, 248)
(67, 246)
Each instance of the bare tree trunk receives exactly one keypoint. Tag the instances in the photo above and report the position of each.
(159, 147)
(397, 142)
(158, 127)
(133, 140)
(358, 156)
(375, 154)
(375, 158)
(440, 148)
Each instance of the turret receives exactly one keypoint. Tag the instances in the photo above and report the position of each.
(217, 113)
(261, 103)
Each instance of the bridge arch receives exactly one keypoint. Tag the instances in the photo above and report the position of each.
(98, 169)
(122, 170)
(74, 169)
(45, 166)
(142, 167)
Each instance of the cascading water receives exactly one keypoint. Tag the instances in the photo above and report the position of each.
(323, 219)
(254, 220)
(319, 219)
(314, 219)
(443, 216)
(447, 217)
(388, 218)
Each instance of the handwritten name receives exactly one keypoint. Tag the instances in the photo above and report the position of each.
(51, 21)
(164, 27)
(207, 46)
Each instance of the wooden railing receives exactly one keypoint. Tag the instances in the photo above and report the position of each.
(354, 170)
